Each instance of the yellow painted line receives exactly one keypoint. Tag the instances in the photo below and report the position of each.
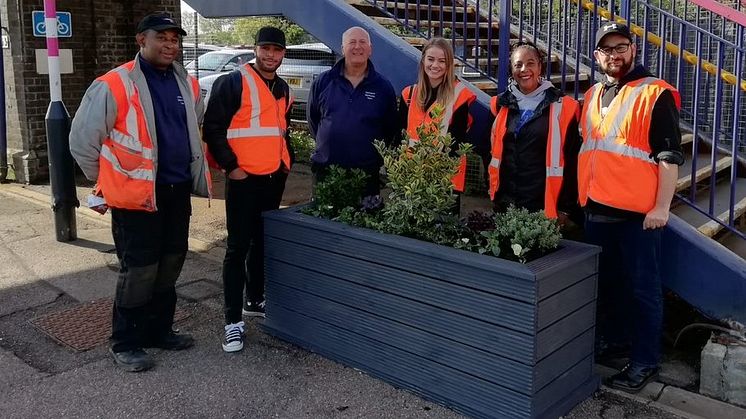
(654, 39)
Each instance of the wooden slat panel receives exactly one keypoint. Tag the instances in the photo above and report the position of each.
(447, 293)
(563, 331)
(432, 319)
(434, 381)
(565, 302)
(445, 350)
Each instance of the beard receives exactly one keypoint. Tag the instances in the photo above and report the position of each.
(268, 69)
(618, 72)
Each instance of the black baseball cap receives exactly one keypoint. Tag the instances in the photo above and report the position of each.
(159, 22)
(270, 35)
(612, 27)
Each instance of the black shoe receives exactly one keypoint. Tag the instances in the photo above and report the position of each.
(172, 341)
(134, 360)
(632, 378)
(253, 309)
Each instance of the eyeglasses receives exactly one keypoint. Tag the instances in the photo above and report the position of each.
(619, 49)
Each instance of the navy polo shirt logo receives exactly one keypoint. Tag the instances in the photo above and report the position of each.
(180, 99)
(370, 95)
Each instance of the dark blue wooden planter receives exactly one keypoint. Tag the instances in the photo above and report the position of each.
(482, 335)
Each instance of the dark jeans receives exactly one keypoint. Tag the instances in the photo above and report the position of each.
(245, 200)
(151, 247)
(372, 186)
(630, 301)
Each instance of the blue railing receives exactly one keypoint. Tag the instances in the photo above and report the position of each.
(696, 45)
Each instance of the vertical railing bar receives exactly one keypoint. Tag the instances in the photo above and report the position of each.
(578, 26)
(442, 26)
(737, 94)
(716, 126)
(489, 38)
(662, 48)
(549, 39)
(646, 28)
(417, 17)
(697, 107)
(565, 38)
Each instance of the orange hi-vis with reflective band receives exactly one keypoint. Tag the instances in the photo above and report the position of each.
(417, 117)
(561, 115)
(126, 177)
(257, 131)
(614, 166)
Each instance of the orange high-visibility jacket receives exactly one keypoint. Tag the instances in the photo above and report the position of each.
(127, 167)
(417, 116)
(615, 167)
(561, 114)
(257, 131)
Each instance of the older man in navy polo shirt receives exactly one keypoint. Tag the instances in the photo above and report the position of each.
(349, 107)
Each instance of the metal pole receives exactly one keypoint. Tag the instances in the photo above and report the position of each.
(61, 167)
(3, 127)
(503, 49)
(196, 46)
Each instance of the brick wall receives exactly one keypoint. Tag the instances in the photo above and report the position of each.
(103, 37)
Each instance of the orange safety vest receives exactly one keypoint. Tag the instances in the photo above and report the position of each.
(257, 131)
(126, 176)
(417, 117)
(561, 114)
(614, 166)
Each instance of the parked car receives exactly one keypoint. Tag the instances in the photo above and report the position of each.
(300, 67)
(216, 62)
(189, 52)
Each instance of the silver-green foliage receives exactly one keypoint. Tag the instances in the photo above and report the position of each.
(522, 234)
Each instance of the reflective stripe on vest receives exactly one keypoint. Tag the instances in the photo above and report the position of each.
(615, 167)
(417, 117)
(127, 159)
(561, 114)
(256, 133)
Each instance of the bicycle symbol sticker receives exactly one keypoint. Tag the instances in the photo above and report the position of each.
(64, 24)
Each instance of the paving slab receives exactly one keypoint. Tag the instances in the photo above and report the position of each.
(697, 404)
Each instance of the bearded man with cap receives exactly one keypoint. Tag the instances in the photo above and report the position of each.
(246, 130)
(627, 172)
(136, 133)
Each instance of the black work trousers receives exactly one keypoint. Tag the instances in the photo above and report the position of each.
(243, 266)
(151, 247)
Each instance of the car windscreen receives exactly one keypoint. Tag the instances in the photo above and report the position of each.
(301, 56)
(210, 61)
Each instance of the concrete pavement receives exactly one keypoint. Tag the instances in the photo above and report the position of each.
(41, 378)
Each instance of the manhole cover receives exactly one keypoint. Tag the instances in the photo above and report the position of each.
(84, 326)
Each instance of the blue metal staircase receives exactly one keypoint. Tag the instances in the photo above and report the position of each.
(690, 43)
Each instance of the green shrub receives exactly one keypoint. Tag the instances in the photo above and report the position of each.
(524, 235)
(340, 189)
(421, 202)
(303, 145)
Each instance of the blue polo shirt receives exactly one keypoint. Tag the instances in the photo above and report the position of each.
(174, 152)
(345, 120)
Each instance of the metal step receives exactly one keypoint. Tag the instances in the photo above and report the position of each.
(704, 169)
(721, 207)
(400, 5)
(436, 23)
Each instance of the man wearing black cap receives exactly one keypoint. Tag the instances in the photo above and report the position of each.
(136, 133)
(627, 172)
(246, 130)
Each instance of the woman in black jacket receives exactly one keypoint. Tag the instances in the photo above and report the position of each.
(534, 141)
